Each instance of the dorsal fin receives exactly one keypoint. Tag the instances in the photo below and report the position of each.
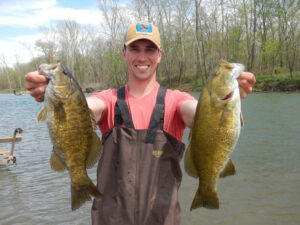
(225, 64)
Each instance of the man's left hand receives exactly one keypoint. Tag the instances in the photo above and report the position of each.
(246, 81)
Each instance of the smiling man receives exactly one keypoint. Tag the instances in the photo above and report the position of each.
(142, 125)
(142, 57)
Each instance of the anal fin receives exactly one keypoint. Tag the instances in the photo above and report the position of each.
(229, 169)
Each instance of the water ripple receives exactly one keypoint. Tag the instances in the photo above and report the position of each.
(265, 189)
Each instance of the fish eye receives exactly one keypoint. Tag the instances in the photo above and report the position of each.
(64, 69)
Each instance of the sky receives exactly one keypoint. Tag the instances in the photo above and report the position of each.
(21, 20)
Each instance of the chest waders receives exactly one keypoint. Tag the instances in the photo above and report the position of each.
(138, 172)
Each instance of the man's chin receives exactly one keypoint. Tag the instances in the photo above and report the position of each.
(145, 76)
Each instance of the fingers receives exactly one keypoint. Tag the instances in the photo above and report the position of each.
(36, 77)
(36, 84)
(246, 81)
(38, 93)
(244, 92)
(249, 77)
(31, 85)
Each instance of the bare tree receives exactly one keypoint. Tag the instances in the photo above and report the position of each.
(5, 70)
(115, 26)
(145, 10)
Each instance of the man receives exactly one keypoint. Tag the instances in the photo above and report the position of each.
(142, 126)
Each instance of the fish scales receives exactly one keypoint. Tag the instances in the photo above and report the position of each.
(214, 133)
(76, 145)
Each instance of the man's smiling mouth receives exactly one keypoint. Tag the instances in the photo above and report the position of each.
(142, 67)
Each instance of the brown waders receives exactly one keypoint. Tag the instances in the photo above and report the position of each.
(139, 172)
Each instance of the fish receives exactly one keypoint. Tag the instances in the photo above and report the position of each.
(72, 130)
(214, 133)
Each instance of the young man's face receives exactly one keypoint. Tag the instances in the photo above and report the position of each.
(142, 58)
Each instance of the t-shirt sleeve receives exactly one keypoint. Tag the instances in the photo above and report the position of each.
(181, 97)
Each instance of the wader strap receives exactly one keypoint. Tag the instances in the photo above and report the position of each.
(121, 111)
(157, 119)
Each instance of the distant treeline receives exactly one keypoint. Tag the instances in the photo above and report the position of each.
(262, 34)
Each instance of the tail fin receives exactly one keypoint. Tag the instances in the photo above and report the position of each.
(82, 191)
(208, 200)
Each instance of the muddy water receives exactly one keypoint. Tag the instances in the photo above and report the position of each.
(264, 191)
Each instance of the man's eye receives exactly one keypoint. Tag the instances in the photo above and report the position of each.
(151, 50)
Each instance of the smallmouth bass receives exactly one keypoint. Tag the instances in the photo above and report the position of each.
(76, 146)
(214, 133)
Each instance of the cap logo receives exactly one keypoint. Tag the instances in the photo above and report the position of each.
(144, 28)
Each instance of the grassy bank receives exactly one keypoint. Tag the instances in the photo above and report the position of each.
(267, 83)
(278, 83)
(264, 83)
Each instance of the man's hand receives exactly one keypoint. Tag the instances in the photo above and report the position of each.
(36, 84)
(246, 81)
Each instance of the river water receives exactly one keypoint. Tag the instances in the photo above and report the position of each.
(265, 190)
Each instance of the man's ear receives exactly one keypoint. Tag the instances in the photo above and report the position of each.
(124, 54)
(160, 52)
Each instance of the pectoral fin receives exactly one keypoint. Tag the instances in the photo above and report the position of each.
(60, 113)
(42, 115)
(95, 151)
(242, 119)
(56, 163)
(228, 170)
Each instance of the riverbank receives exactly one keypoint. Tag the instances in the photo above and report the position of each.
(278, 83)
(264, 83)
(8, 91)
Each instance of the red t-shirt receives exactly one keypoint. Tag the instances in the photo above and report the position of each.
(141, 110)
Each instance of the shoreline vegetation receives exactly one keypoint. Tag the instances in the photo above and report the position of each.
(264, 36)
(264, 83)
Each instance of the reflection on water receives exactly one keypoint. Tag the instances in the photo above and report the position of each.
(265, 189)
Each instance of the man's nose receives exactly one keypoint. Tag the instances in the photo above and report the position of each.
(142, 55)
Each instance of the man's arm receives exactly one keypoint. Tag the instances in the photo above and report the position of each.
(188, 108)
(36, 84)
(97, 106)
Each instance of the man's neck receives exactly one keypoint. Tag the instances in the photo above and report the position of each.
(140, 88)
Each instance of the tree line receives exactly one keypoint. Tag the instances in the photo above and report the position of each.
(262, 34)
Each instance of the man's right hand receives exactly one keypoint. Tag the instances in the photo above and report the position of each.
(36, 84)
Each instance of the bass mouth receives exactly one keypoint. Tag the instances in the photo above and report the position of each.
(228, 96)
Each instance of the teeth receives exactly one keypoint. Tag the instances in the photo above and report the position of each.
(142, 67)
